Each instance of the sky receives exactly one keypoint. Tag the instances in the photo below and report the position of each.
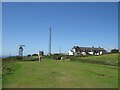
(85, 24)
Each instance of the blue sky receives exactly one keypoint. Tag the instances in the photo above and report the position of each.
(83, 24)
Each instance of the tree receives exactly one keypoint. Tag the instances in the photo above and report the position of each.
(114, 51)
(29, 55)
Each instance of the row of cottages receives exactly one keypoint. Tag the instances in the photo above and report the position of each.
(76, 50)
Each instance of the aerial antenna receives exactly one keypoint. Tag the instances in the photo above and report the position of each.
(50, 41)
(21, 50)
(10, 54)
(60, 50)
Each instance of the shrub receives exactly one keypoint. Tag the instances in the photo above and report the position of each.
(114, 51)
(7, 65)
(28, 55)
(19, 57)
(34, 54)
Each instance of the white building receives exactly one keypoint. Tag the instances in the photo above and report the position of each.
(76, 50)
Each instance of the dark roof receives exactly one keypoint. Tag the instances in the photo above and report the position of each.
(87, 48)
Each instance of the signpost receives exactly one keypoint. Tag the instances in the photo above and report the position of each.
(40, 54)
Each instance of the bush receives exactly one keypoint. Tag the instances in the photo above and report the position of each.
(7, 65)
(34, 54)
(19, 57)
(114, 51)
(63, 57)
(32, 58)
(28, 55)
(55, 57)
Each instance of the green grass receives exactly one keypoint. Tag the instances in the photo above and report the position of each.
(107, 59)
(61, 74)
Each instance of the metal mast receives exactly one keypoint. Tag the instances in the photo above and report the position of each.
(21, 50)
(50, 41)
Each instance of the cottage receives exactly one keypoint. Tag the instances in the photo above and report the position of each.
(76, 50)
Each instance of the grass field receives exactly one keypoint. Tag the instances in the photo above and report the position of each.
(61, 74)
(107, 59)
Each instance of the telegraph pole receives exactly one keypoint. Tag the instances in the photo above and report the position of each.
(50, 41)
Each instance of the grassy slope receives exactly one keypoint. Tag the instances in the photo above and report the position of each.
(50, 73)
(110, 59)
